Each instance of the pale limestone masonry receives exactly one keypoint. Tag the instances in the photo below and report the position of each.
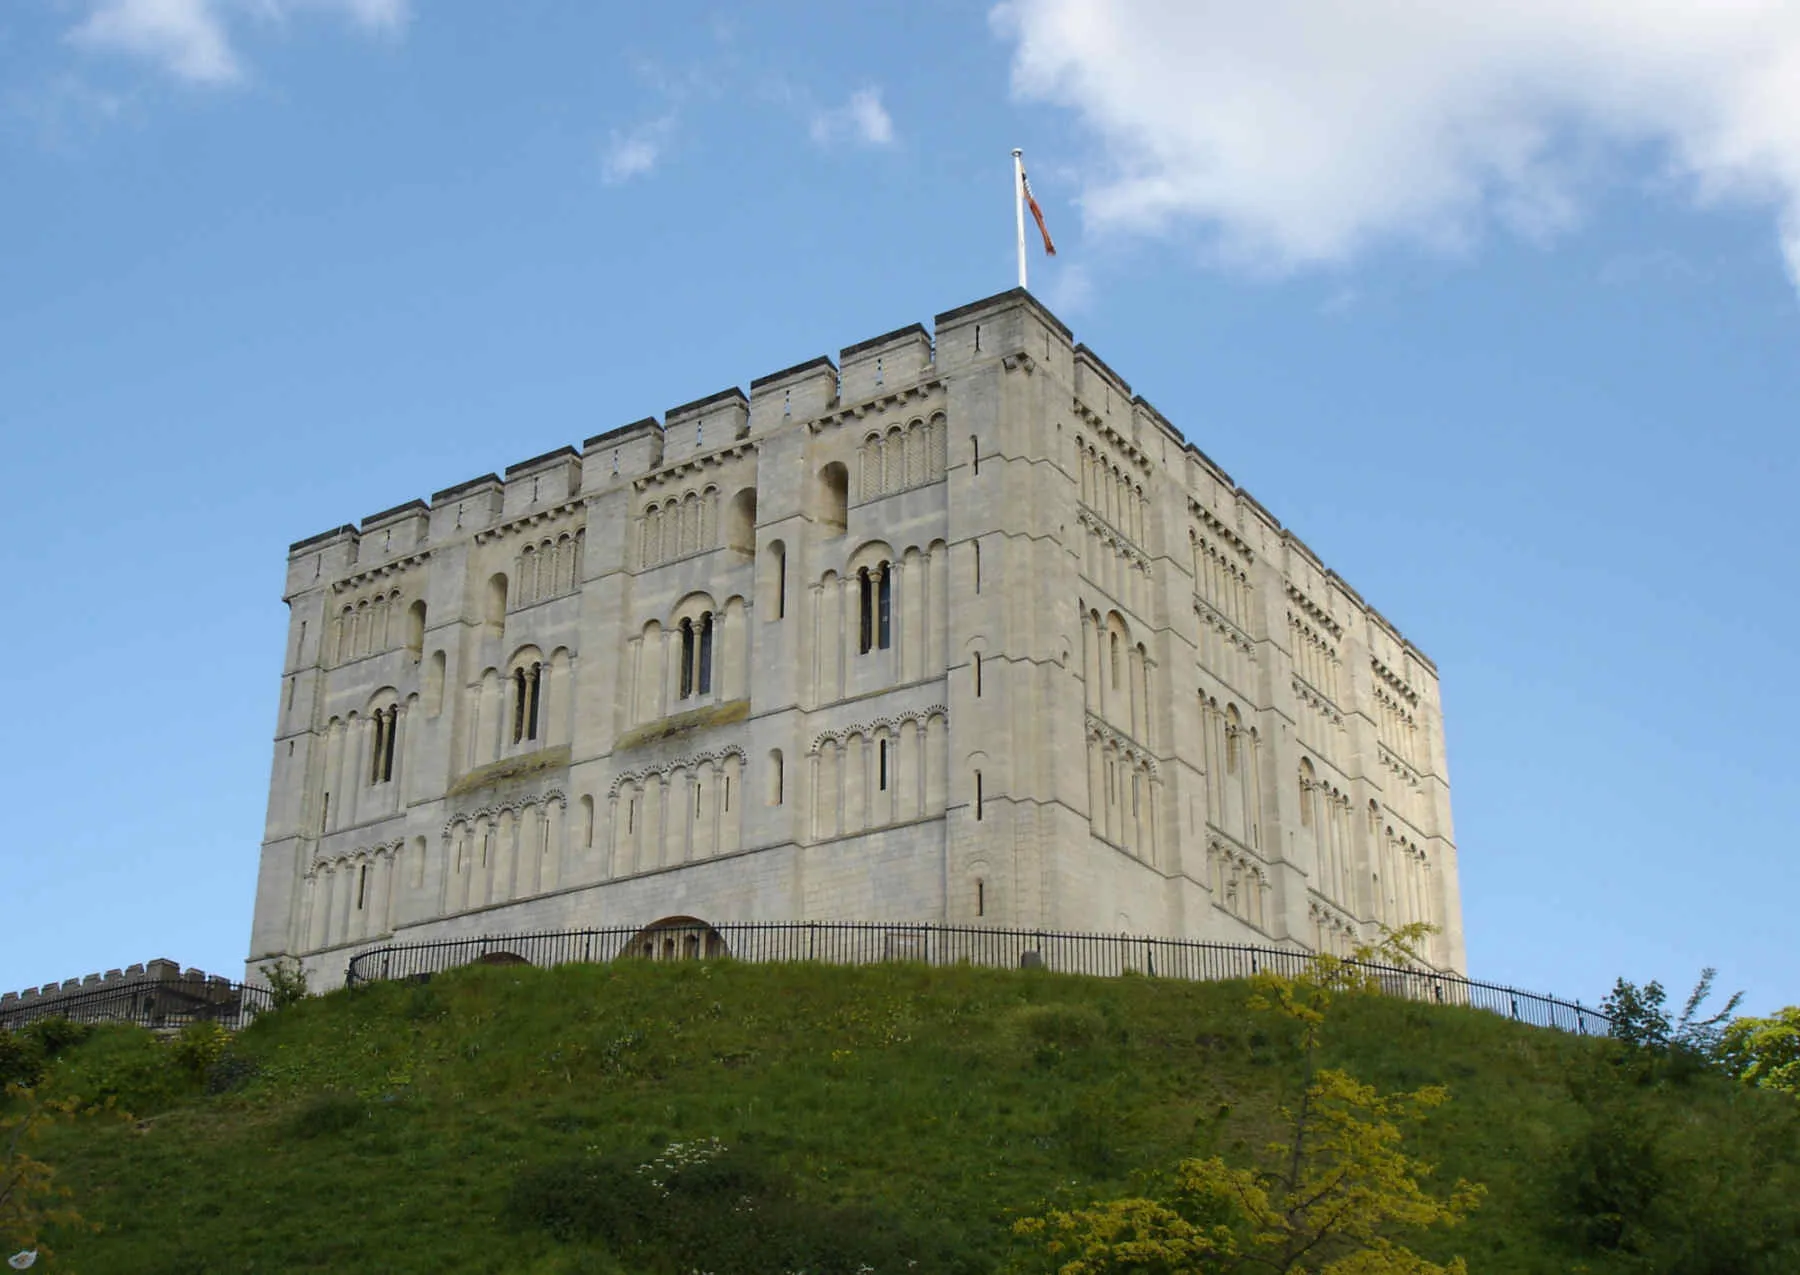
(956, 630)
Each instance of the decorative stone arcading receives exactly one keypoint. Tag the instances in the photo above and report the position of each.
(918, 716)
(394, 567)
(1213, 523)
(516, 806)
(1394, 680)
(1392, 761)
(1315, 700)
(715, 459)
(1323, 909)
(1101, 426)
(1211, 615)
(361, 854)
(1104, 733)
(1314, 611)
(712, 757)
(532, 518)
(879, 403)
(1117, 540)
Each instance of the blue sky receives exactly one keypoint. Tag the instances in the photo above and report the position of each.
(1503, 326)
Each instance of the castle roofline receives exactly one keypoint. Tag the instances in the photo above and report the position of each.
(1217, 470)
(372, 520)
(313, 542)
(648, 424)
(733, 394)
(886, 338)
(821, 363)
(1003, 300)
(553, 454)
(463, 489)
(1084, 353)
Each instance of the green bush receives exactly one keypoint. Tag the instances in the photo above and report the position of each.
(287, 982)
(21, 1059)
(127, 1066)
(56, 1035)
(1709, 1193)
(197, 1049)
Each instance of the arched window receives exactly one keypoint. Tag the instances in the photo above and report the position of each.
(528, 681)
(434, 685)
(740, 531)
(415, 628)
(875, 608)
(776, 567)
(884, 608)
(978, 675)
(696, 656)
(1306, 793)
(703, 670)
(687, 659)
(1115, 661)
(881, 748)
(587, 821)
(834, 496)
(495, 613)
(776, 777)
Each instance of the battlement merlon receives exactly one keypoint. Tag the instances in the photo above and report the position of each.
(1004, 325)
(796, 393)
(621, 454)
(150, 972)
(705, 424)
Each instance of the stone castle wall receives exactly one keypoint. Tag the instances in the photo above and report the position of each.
(954, 629)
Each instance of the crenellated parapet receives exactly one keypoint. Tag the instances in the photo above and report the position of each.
(147, 976)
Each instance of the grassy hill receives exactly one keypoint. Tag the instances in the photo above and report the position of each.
(495, 1120)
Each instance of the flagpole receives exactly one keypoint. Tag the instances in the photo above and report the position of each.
(1019, 207)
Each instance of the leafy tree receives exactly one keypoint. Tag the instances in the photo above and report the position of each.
(286, 978)
(1328, 1198)
(30, 1199)
(1764, 1051)
(1639, 1017)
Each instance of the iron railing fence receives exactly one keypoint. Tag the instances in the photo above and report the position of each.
(860, 943)
(156, 1005)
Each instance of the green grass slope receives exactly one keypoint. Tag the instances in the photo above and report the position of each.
(495, 1120)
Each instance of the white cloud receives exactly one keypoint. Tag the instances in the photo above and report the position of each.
(372, 15)
(1300, 132)
(862, 119)
(1069, 290)
(191, 39)
(185, 37)
(636, 151)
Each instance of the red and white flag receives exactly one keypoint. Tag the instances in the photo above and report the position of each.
(1037, 214)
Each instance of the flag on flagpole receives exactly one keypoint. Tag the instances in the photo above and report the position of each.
(1037, 214)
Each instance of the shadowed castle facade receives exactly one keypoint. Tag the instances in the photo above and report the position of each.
(955, 630)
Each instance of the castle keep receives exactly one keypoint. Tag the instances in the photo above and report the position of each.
(956, 630)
